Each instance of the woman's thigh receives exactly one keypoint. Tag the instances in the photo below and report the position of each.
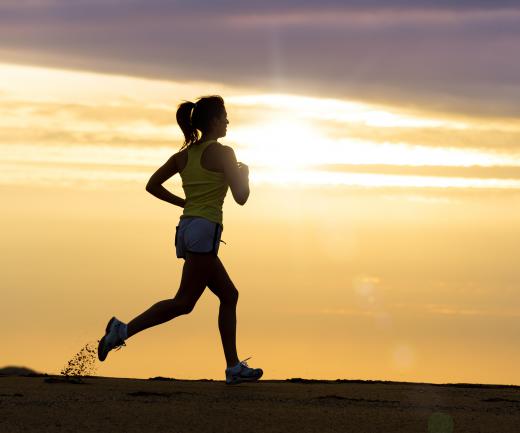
(221, 285)
(196, 274)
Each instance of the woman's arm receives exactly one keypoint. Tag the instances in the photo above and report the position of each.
(237, 175)
(163, 173)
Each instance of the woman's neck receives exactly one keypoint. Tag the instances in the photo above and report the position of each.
(208, 136)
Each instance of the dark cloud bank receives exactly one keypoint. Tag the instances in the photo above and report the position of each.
(433, 55)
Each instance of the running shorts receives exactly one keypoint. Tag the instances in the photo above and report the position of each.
(197, 235)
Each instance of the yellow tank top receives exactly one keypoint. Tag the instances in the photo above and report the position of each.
(204, 189)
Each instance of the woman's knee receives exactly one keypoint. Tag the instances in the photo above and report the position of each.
(230, 298)
(181, 306)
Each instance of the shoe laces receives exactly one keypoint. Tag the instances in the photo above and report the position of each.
(119, 346)
(244, 363)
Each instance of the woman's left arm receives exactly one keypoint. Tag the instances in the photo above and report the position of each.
(163, 173)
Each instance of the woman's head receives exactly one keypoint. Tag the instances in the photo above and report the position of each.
(207, 114)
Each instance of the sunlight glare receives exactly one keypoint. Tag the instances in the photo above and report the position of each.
(286, 143)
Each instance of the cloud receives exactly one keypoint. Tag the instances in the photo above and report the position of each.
(487, 137)
(227, 6)
(458, 57)
(493, 172)
(102, 114)
(451, 310)
(394, 310)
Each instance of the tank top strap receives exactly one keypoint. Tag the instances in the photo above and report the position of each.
(195, 152)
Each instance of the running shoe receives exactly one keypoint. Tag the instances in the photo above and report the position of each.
(111, 339)
(242, 373)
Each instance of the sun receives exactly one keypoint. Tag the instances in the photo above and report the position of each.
(282, 143)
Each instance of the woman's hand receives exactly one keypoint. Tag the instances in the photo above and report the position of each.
(243, 168)
(162, 193)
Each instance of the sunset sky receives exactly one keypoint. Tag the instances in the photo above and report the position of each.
(381, 237)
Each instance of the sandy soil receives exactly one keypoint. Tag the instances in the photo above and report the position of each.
(98, 404)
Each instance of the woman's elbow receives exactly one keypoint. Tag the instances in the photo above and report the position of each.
(151, 187)
(241, 198)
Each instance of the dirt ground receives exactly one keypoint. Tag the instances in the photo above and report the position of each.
(98, 404)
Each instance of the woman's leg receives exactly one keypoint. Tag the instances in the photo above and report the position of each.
(222, 286)
(195, 275)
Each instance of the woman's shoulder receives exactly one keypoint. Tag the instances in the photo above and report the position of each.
(181, 158)
(180, 154)
(216, 146)
(215, 149)
(214, 156)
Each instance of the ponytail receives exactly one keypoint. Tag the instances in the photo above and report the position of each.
(184, 120)
(194, 117)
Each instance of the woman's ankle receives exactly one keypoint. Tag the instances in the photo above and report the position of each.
(233, 364)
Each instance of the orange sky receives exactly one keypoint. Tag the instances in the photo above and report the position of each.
(386, 277)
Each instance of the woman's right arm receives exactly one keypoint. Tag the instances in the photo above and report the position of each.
(154, 185)
(237, 175)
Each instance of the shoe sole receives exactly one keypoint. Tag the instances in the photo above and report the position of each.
(244, 379)
(102, 341)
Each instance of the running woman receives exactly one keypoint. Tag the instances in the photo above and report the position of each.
(207, 169)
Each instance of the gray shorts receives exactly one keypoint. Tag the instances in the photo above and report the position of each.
(197, 235)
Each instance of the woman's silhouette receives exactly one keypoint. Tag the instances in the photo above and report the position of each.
(207, 169)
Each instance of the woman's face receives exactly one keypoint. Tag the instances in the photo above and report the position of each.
(220, 124)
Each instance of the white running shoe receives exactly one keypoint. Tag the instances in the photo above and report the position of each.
(242, 373)
(111, 339)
